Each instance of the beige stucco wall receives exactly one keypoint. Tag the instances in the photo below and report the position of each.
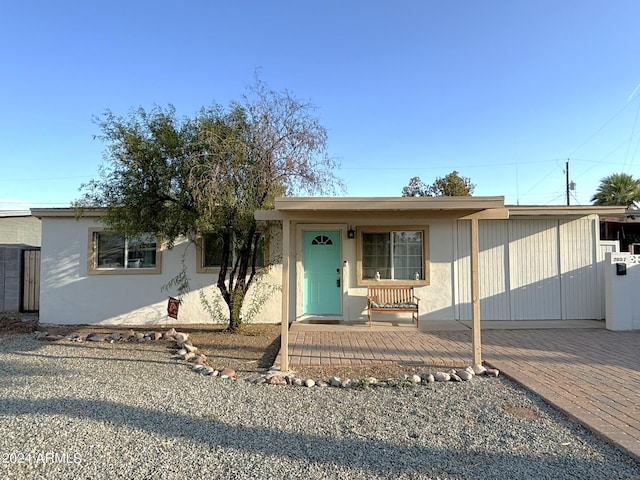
(622, 309)
(435, 299)
(69, 295)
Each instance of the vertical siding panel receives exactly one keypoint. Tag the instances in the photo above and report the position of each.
(533, 270)
(494, 286)
(463, 266)
(494, 291)
(581, 299)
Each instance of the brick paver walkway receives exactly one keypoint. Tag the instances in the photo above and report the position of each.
(593, 375)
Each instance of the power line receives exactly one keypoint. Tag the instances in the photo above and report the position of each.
(439, 167)
(633, 128)
(42, 179)
(599, 130)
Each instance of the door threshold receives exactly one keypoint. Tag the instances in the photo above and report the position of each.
(323, 321)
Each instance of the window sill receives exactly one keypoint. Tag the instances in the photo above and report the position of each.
(125, 271)
(392, 283)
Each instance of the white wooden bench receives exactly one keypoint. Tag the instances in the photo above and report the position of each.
(393, 299)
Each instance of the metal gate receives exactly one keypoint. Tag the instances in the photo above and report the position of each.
(30, 280)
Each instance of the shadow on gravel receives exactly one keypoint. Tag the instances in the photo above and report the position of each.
(100, 359)
(379, 457)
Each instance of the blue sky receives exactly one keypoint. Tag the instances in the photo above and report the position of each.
(504, 92)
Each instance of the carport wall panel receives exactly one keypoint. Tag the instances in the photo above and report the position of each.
(582, 288)
(533, 269)
(493, 271)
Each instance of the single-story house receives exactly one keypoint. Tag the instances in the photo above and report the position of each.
(527, 262)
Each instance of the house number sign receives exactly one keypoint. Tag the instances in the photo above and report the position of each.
(625, 258)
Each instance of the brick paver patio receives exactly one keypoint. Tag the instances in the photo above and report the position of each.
(591, 374)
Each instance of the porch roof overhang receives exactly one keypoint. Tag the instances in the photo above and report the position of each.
(291, 210)
(335, 208)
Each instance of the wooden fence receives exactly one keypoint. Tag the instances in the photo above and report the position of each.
(30, 280)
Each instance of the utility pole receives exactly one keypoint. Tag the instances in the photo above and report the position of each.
(570, 185)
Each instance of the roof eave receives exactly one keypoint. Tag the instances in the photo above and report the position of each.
(66, 212)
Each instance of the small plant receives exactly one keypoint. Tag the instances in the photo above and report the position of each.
(218, 311)
(214, 306)
(401, 383)
(364, 383)
(214, 417)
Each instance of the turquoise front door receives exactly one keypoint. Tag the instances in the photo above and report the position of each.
(322, 273)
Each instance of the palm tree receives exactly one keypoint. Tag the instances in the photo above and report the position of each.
(617, 189)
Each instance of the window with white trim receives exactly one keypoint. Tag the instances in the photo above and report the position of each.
(115, 253)
(393, 255)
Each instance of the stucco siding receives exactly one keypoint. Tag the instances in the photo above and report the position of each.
(69, 295)
(530, 268)
(435, 298)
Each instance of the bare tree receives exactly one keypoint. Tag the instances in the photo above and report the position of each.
(182, 177)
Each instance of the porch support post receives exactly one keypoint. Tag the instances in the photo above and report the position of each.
(284, 334)
(475, 293)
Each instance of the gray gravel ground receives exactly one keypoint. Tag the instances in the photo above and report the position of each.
(73, 410)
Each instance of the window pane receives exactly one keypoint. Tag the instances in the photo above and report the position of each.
(260, 255)
(407, 256)
(211, 250)
(141, 251)
(110, 250)
(376, 257)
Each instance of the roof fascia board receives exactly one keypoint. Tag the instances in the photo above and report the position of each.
(387, 203)
(489, 214)
(560, 210)
(15, 213)
(66, 212)
(382, 215)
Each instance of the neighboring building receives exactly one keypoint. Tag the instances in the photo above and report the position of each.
(20, 235)
(19, 227)
(623, 228)
(535, 263)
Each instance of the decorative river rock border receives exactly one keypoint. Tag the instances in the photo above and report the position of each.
(199, 363)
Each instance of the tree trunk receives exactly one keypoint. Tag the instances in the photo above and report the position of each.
(235, 306)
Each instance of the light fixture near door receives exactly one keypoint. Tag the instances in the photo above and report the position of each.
(351, 233)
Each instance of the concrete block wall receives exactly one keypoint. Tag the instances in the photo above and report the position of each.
(10, 260)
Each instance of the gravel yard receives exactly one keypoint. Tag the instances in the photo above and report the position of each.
(131, 411)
